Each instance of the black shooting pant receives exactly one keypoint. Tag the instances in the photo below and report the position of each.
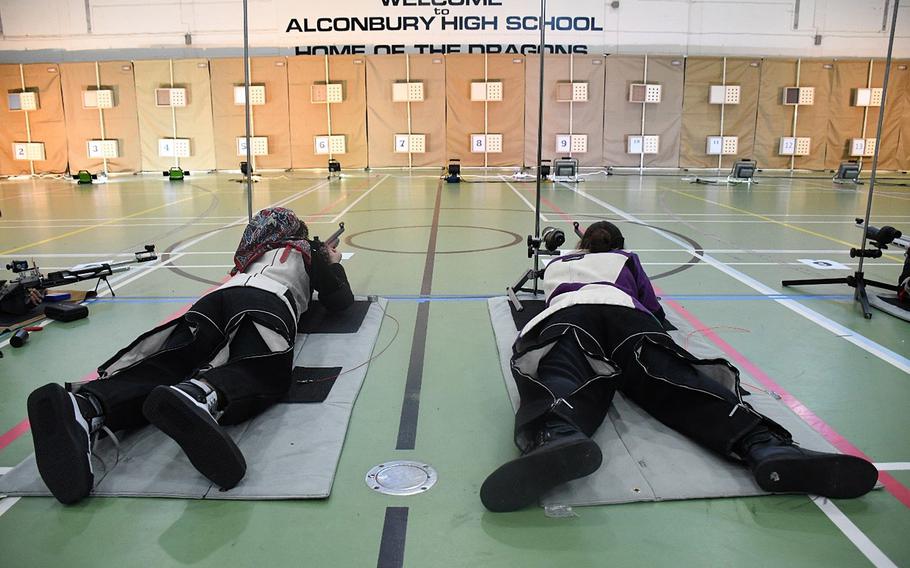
(247, 375)
(696, 397)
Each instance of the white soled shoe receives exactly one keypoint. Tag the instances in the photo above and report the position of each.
(186, 412)
(62, 426)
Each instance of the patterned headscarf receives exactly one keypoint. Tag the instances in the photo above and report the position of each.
(271, 228)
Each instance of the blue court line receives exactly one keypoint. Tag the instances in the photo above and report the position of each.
(483, 297)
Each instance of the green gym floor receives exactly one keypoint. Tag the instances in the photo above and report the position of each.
(417, 240)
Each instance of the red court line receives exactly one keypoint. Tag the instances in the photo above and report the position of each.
(14, 432)
(21, 428)
(895, 487)
(892, 485)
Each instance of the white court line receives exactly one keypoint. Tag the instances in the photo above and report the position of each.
(174, 218)
(880, 351)
(852, 532)
(881, 219)
(148, 268)
(687, 251)
(726, 221)
(356, 201)
(344, 256)
(109, 225)
(528, 203)
(5, 470)
(6, 503)
(347, 255)
(786, 215)
(893, 466)
(648, 221)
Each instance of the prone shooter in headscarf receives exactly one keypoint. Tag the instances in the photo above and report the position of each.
(224, 361)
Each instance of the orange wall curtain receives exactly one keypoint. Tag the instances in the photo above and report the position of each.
(562, 117)
(623, 118)
(119, 123)
(466, 117)
(46, 124)
(311, 119)
(270, 120)
(386, 117)
(701, 118)
(193, 121)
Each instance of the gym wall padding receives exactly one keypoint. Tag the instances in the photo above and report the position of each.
(270, 120)
(309, 119)
(465, 117)
(775, 119)
(565, 117)
(845, 121)
(194, 121)
(701, 119)
(121, 122)
(47, 124)
(894, 153)
(386, 118)
(623, 118)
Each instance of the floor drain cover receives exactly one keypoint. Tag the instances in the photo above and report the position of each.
(401, 478)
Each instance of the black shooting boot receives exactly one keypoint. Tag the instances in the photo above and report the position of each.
(187, 413)
(779, 466)
(560, 453)
(62, 425)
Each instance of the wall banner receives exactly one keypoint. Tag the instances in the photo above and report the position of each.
(380, 27)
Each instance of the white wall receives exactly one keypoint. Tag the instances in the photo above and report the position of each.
(848, 28)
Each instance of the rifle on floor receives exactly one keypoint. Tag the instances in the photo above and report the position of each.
(16, 291)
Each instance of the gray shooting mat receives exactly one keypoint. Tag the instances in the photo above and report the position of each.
(291, 450)
(643, 459)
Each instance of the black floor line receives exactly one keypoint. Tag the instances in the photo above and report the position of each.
(394, 533)
(407, 426)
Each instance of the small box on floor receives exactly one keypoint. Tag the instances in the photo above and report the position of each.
(66, 311)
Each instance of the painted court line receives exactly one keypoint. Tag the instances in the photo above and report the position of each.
(893, 486)
(6, 503)
(8, 437)
(893, 466)
(5, 470)
(82, 230)
(108, 226)
(830, 271)
(528, 203)
(895, 359)
(410, 405)
(688, 250)
(852, 532)
(358, 200)
(394, 536)
(775, 221)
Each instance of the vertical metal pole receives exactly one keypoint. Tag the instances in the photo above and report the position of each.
(543, 36)
(878, 132)
(246, 88)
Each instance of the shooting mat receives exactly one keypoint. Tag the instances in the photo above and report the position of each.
(643, 459)
(291, 450)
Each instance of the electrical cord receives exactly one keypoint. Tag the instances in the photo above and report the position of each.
(385, 314)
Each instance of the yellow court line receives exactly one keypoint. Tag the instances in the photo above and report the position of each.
(90, 227)
(776, 222)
